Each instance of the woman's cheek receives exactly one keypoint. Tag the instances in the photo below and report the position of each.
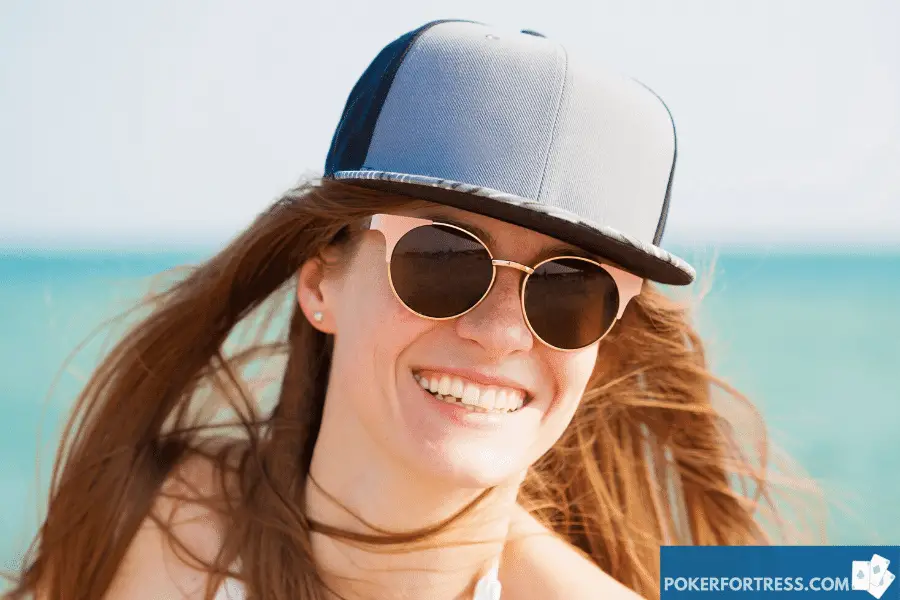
(571, 373)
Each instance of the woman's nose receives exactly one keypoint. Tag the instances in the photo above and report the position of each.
(498, 324)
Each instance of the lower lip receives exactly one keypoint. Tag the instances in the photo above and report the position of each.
(458, 414)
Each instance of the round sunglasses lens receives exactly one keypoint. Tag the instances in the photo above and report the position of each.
(571, 303)
(440, 271)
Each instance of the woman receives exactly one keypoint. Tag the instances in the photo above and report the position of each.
(481, 385)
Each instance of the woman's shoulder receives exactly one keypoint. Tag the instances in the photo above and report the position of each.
(539, 565)
(153, 566)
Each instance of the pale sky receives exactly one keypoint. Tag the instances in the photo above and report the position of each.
(176, 122)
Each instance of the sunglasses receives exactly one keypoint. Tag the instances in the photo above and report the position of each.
(441, 271)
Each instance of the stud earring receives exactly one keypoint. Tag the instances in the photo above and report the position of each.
(317, 317)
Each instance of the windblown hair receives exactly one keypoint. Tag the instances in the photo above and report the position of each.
(648, 459)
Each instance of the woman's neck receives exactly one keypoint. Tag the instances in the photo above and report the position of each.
(354, 487)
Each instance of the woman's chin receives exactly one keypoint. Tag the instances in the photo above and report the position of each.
(468, 465)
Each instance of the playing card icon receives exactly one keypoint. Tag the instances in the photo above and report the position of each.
(872, 576)
(862, 570)
(878, 588)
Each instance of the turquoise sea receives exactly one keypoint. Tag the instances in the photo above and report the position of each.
(813, 339)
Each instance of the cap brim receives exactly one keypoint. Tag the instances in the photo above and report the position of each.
(636, 256)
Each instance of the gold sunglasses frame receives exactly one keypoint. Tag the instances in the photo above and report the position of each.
(394, 227)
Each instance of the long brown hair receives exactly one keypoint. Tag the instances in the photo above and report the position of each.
(647, 460)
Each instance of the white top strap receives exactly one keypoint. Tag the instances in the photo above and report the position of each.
(488, 587)
(231, 589)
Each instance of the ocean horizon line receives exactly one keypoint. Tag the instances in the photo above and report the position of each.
(209, 249)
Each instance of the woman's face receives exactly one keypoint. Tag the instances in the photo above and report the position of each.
(383, 352)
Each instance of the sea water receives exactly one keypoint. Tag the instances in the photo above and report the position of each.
(812, 339)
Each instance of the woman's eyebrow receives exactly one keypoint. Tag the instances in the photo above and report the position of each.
(487, 238)
(563, 251)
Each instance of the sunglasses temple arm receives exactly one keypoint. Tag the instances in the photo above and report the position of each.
(629, 288)
(394, 227)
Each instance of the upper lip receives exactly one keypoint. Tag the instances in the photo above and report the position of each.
(480, 377)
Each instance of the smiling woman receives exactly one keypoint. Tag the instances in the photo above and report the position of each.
(480, 386)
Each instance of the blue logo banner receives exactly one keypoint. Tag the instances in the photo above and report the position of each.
(756, 571)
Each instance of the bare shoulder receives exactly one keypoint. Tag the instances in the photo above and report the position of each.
(538, 565)
(153, 567)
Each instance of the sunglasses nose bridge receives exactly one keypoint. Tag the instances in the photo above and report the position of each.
(512, 265)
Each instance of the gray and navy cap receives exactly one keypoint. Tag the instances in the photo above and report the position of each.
(508, 124)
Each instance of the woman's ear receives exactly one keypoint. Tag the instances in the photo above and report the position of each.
(313, 295)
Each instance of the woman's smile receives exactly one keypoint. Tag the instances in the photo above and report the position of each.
(477, 397)
(466, 404)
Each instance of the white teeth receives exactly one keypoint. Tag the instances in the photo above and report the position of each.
(455, 390)
(487, 399)
(471, 395)
(500, 402)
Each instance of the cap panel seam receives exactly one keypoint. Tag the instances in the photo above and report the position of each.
(559, 104)
(386, 76)
(392, 74)
(664, 209)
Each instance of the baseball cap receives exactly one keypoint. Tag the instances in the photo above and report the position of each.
(510, 125)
